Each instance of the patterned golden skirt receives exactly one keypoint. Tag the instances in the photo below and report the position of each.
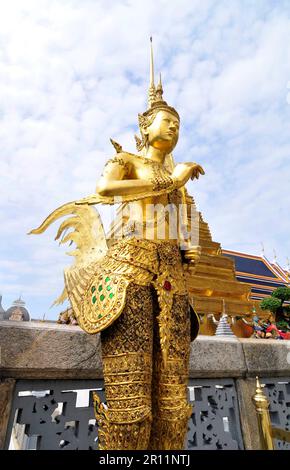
(138, 300)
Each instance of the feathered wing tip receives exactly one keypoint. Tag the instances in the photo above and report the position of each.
(60, 300)
(65, 209)
(89, 236)
(86, 222)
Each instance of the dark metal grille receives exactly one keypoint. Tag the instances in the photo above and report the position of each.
(278, 392)
(215, 422)
(58, 414)
(54, 414)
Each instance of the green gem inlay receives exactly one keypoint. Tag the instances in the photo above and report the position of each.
(102, 297)
(93, 289)
(107, 279)
(111, 295)
(100, 315)
(100, 288)
(109, 287)
(94, 299)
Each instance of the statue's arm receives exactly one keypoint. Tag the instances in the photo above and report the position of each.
(113, 187)
(184, 171)
(117, 180)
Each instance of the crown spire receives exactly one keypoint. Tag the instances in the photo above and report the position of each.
(151, 92)
(155, 96)
(151, 64)
(159, 90)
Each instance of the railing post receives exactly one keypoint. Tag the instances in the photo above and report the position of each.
(262, 409)
(6, 397)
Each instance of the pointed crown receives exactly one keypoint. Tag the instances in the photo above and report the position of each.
(155, 94)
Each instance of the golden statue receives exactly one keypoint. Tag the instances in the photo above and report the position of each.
(131, 288)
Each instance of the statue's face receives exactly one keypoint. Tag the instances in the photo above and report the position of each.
(164, 131)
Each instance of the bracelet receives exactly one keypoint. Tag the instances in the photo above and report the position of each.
(161, 180)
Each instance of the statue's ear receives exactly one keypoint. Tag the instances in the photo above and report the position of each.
(142, 122)
(139, 142)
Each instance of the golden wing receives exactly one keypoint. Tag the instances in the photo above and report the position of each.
(89, 237)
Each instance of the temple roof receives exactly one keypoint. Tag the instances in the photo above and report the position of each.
(258, 271)
(17, 304)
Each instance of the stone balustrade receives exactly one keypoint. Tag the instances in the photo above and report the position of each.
(40, 350)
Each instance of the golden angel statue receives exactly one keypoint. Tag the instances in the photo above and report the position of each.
(130, 286)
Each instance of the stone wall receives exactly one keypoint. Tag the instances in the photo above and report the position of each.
(50, 351)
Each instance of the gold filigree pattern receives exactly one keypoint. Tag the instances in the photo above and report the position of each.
(139, 387)
(120, 161)
(139, 261)
(165, 299)
(169, 432)
(127, 363)
(161, 178)
(170, 281)
(127, 436)
(103, 301)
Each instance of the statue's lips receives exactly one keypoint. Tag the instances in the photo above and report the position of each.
(167, 135)
(171, 133)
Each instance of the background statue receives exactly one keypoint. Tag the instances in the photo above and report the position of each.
(131, 287)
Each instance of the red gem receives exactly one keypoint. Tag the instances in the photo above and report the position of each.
(167, 285)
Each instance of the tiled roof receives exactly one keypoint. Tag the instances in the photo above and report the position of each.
(258, 271)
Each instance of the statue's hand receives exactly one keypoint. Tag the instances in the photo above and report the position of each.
(89, 200)
(196, 171)
(185, 171)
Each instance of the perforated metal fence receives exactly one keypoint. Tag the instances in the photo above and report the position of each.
(278, 392)
(58, 414)
(215, 422)
(53, 414)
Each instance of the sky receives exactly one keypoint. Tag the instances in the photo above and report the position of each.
(75, 73)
